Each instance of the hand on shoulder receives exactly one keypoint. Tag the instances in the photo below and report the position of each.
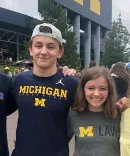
(123, 104)
(68, 71)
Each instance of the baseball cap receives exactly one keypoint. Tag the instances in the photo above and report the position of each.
(6, 68)
(49, 30)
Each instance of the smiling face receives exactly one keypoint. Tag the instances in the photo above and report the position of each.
(45, 52)
(96, 93)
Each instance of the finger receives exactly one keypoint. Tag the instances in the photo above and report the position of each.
(123, 104)
(119, 103)
(122, 101)
(65, 70)
(69, 72)
(119, 106)
(72, 72)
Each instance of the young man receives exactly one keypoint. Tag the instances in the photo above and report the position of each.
(7, 106)
(43, 97)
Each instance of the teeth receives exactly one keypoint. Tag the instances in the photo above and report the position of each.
(96, 99)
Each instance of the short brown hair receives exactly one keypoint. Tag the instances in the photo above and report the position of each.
(30, 43)
(81, 103)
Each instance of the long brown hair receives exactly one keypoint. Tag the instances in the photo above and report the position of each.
(120, 71)
(81, 103)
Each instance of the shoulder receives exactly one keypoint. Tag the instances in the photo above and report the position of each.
(5, 78)
(120, 81)
(5, 82)
(71, 84)
(72, 114)
(68, 80)
(22, 75)
(73, 117)
(71, 80)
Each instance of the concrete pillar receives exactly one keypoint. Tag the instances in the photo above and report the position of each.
(97, 45)
(87, 43)
(76, 26)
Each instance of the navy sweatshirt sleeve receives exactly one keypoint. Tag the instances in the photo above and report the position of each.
(11, 103)
(5, 86)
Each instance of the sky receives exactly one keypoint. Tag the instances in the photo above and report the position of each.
(29, 8)
(122, 6)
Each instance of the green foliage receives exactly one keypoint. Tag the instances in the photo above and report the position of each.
(70, 57)
(25, 53)
(117, 44)
(54, 13)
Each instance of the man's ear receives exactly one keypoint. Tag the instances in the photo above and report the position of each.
(61, 52)
(30, 51)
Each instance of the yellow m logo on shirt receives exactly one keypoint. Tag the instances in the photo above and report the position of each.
(39, 102)
(95, 5)
(88, 131)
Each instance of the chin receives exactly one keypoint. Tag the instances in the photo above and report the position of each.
(43, 65)
(97, 105)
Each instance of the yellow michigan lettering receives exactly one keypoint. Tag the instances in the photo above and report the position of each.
(22, 89)
(83, 131)
(64, 93)
(95, 6)
(56, 92)
(39, 102)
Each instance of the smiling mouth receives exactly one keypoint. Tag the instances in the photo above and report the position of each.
(43, 58)
(96, 99)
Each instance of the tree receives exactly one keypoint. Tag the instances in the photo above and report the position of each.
(54, 13)
(25, 53)
(117, 44)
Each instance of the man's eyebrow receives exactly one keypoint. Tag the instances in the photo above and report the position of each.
(38, 42)
(50, 43)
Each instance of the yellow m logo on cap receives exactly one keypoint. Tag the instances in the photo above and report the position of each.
(95, 5)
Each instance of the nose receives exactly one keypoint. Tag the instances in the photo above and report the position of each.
(44, 50)
(96, 92)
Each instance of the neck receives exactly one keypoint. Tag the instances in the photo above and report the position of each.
(94, 109)
(44, 72)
